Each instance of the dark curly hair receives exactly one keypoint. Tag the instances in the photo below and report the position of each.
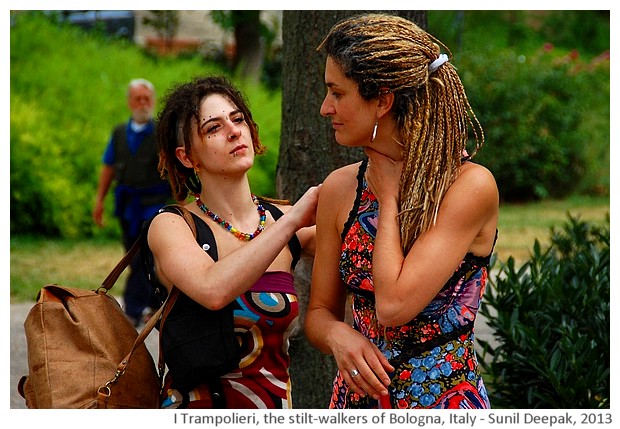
(174, 128)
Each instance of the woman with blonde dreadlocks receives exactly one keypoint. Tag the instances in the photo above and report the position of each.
(409, 231)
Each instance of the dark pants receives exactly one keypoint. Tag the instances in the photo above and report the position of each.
(139, 294)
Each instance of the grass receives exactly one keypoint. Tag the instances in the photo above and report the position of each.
(36, 262)
(520, 225)
(81, 264)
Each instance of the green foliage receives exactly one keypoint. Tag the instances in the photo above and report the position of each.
(550, 318)
(68, 91)
(585, 31)
(267, 112)
(532, 111)
(541, 93)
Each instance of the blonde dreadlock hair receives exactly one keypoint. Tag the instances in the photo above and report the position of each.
(430, 107)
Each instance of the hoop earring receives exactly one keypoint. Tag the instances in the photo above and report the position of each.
(374, 131)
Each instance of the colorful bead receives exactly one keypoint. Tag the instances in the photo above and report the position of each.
(244, 236)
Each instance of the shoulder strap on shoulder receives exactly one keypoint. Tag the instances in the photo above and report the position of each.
(182, 211)
(358, 196)
(200, 229)
(293, 244)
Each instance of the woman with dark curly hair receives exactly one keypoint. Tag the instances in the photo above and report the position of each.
(207, 141)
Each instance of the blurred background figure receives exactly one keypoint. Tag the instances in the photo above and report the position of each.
(130, 160)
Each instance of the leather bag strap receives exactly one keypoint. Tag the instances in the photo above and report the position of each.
(111, 279)
(104, 391)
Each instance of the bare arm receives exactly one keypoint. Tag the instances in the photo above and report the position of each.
(325, 326)
(326, 307)
(179, 261)
(105, 180)
(466, 222)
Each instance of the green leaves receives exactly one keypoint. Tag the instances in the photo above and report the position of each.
(551, 320)
(538, 112)
(68, 91)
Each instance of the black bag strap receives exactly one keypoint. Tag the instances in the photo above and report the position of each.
(214, 383)
(165, 309)
(174, 291)
(293, 244)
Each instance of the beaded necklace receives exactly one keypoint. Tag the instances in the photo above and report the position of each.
(243, 236)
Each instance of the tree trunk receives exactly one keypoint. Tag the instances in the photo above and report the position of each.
(308, 153)
(248, 61)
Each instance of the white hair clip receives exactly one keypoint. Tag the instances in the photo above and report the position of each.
(443, 58)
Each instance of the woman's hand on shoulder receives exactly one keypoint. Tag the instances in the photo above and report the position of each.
(305, 208)
(305, 211)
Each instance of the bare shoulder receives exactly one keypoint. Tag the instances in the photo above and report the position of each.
(478, 177)
(337, 197)
(336, 185)
(343, 173)
(474, 195)
(164, 219)
(341, 181)
(168, 225)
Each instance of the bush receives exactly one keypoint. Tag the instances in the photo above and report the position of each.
(541, 89)
(551, 320)
(532, 109)
(62, 115)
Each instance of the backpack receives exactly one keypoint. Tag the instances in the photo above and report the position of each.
(198, 345)
(83, 351)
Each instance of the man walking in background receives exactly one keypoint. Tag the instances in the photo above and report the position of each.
(131, 160)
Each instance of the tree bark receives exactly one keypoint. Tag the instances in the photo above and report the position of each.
(248, 61)
(308, 153)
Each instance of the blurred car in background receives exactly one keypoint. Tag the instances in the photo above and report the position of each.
(115, 23)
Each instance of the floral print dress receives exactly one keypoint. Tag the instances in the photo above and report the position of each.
(433, 354)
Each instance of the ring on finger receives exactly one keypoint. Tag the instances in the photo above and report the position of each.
(354, 373)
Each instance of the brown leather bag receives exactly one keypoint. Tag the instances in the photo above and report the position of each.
(83, 352)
